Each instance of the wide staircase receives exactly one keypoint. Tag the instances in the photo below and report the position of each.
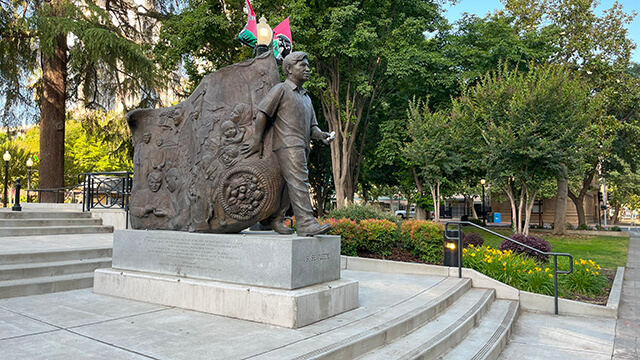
(451, 320)
(29, 223)
(41, 271)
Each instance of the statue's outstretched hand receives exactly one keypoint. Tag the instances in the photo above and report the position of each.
(327, 138)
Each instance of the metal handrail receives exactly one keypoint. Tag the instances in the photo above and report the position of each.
(56, 190)
(554, 254)
(115, 186)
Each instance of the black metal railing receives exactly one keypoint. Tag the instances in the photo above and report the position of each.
(555, 255)
(106, 190)
(62, 194)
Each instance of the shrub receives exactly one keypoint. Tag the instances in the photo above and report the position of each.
(531, 240)
(512, 269)
(474, 239)
(568, 226)
(476, 221)
(424, 239)
(585, 278)
(615, 228)
(349, 232)
(584, 227)
(360, 212)
(378, 236)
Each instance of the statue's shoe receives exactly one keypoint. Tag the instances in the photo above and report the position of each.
(280, 228)
(315, 229)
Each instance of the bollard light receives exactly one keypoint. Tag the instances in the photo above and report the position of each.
(29, 166)
(6, 157)
(451, 250)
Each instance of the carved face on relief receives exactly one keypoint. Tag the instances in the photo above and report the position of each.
(146, 137)
(154, 181)
(229, 129)
(173, 179)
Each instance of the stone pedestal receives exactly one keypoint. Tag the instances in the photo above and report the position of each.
(287, 281)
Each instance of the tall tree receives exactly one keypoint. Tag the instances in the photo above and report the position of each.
(362, 51)
(88, 46)
(599, 48)
(512, 120)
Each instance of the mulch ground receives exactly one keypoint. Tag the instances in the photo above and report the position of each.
(400, 254)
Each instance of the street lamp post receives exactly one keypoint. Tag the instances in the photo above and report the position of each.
(484, 213)
(6, 157)
(265, 37)
(29, 165)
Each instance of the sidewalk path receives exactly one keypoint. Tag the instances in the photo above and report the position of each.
(627, 343)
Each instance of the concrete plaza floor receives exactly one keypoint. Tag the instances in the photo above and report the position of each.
(82, 325)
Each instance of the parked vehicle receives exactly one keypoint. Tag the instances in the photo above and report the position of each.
(403, 213)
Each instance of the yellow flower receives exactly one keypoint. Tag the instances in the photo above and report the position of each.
(470, 245)
(587, 269)
(597, 273)
(473, 254)
(598, 267)
(551, 275)
(583, 262)
(546, 269)
(530, 271)
(489, 261)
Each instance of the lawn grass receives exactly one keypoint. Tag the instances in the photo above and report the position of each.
(607, 251)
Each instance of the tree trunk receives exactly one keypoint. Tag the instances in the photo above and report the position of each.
(578, 200)
(514, 210)
(616, 213)
(560, 217)
(421, 214)
(52, 118)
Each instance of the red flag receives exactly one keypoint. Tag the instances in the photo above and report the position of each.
(249, 35)
(282, 28)
(282, 44)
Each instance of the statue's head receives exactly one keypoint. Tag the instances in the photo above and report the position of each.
(146, 137)
(229, 128)
(154, 181)
(241, 113)
(296, 66)
(173, 179)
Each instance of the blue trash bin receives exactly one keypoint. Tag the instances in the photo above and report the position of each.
(497, 218)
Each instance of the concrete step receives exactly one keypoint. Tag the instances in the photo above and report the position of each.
(73, 254)
(55, 230)
(440, 334)
(364, 335)
(34, 270)
(44, 215)
(9, 223)
(45, 285)
(488, 339)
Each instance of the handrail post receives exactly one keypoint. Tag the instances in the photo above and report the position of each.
(555, 282)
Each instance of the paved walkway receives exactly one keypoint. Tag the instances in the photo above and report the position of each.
(627, 343)
(82, 325)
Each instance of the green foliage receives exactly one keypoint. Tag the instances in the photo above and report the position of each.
(202, 37)
(423, 239)
(525, 274)
(585, 278)
(359, 212)
(378, 236)
(349, 232)
(510, 120)
(584, 227)
(96, 142)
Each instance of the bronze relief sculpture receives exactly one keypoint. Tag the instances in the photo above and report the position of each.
(232, 154)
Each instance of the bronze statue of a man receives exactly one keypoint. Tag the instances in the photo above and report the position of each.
(289, 108)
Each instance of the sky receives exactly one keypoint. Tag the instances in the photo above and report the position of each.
(483, 7)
